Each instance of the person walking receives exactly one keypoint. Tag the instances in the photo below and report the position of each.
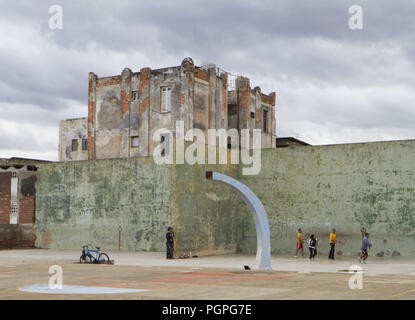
(170, 243)
(312, 246)
(300, 241)
(365, 245)
(333, 242)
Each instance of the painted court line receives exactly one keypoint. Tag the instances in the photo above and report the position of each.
(43, 288)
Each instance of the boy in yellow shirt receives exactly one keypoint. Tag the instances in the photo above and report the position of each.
(300, 241)
(333, 242)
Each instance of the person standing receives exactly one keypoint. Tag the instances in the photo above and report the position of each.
(333, 242)
(170, 243)
(365, 245)
(312, 246)
(300, 241)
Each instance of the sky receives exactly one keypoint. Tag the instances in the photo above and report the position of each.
(334, 84)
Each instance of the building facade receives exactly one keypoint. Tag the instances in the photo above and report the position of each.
(125, 111)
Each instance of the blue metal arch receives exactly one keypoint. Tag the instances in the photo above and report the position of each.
(263, 255)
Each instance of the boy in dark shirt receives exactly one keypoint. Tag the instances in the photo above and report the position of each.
(365, 245)
(312, 246)
(170, 243)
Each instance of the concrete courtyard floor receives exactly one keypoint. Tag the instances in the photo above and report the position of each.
(215, 277)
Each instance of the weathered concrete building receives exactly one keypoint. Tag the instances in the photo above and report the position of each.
(73, 139)
(124, 111)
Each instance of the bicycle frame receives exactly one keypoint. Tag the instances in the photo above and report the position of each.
(90, 252)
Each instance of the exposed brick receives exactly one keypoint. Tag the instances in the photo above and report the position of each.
(244, 97)
(144, 86)
(27, 209)
(108, 81)
(202, 74)
(125, 101)
(268, 99)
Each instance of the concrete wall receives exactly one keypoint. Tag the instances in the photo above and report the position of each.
(344, 186)
(87, 202)
(17, 236)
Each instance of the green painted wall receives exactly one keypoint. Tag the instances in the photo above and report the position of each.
(316, 188)
(206, 213)
(87, 202)
(343, 186)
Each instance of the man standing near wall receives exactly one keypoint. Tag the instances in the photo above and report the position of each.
(333, 242)
(170, 243)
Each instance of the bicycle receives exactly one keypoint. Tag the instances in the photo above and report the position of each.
(93, 256)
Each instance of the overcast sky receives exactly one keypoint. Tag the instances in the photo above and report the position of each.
(333, 84)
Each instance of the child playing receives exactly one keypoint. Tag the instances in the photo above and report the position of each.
(365, 245)
(312, 246)
(300, 241)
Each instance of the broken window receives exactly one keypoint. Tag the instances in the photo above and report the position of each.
(134, 96)
(84, 144)
(265, 120)
(74, 144)
(135, 142)
(165, 99)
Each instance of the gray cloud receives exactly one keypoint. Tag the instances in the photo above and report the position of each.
(333, 84)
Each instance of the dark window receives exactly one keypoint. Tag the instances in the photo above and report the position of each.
(253, 115)
(74, 144)
(84, 144)
(134, 95)
(232, 109)
(265, 121)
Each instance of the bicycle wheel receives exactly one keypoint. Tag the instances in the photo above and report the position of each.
(103, 258)
(86, 260)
